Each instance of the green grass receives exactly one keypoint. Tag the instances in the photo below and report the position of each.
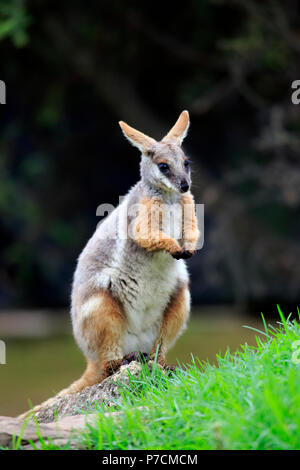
(250, 400)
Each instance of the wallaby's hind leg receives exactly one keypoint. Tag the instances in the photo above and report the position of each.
(99, 330)
(173, 324)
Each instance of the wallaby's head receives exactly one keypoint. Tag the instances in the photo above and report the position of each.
(164, 165)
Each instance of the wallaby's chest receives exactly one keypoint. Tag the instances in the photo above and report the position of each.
(145, 294)
(155, 280)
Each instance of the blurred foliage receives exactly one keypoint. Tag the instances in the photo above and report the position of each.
(73, 69)
(14, 22)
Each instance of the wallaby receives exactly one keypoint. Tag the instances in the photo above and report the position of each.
(132, 293)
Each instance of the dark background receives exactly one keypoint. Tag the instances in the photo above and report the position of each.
(74, 69)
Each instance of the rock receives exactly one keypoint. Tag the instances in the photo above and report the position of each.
(107, 392)
(64, 431)
(61, 421)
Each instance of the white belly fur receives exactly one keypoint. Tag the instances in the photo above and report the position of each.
(157, 281)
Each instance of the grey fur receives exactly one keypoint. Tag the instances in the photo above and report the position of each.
(142, 281)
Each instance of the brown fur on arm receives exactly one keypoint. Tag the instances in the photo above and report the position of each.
(148, 234)
(190, 229)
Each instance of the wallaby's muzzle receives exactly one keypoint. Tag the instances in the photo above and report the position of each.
(184, 186)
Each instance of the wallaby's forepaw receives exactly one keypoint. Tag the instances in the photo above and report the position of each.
(183, 254)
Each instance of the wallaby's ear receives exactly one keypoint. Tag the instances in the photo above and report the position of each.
(180, 129)
(144, 143)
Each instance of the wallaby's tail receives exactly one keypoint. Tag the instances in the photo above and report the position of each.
(91, 376)
(46, 403)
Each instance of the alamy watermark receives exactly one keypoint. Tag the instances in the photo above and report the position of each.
(295, 97)
(2, 352)
(2, 92)
(142, 221)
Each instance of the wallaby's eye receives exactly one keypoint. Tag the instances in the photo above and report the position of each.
(149, 153)
(187, 163)
(163, 167)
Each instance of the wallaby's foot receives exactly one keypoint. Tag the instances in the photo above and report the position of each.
(145, 357)
(135, 356)
(171, 368)
(113, 367)
(183, 254)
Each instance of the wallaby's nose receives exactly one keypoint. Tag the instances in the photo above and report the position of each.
(184, 186)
